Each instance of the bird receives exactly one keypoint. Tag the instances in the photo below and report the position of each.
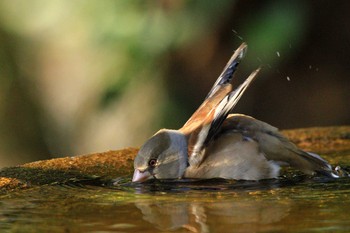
(216, 143)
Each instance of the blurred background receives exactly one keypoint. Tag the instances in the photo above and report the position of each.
(87, 76)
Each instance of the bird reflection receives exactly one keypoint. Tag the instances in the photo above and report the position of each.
(214, 215)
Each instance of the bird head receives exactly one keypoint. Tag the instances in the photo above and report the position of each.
(163, 156)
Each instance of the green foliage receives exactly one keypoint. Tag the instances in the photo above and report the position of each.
(275, 30)
(113, 55)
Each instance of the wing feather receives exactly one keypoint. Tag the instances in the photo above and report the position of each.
(276, 146)
(209, 118)
(229, 70)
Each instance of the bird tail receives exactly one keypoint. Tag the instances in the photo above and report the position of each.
(311, 163)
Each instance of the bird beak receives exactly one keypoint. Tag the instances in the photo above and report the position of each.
(141, 176)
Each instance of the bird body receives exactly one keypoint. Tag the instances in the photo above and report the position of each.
(216, 144)
(233, 156)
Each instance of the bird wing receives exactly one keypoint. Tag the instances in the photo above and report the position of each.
(205, 123)
(193, 128)
(228, 71)
(275, 146)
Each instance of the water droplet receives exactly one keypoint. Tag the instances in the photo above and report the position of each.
(288, 79)
(236, 34)
(278, 54)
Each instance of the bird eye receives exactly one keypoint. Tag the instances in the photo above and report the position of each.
(152, 162)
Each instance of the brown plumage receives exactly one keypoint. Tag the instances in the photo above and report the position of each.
(214, 144)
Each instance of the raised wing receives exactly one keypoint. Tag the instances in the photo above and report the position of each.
(226, 105)
(230, 68)
(207, 120)
(219, 90)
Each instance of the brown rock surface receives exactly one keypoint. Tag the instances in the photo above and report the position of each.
(323, 140)
(101, 167)
(105, 166)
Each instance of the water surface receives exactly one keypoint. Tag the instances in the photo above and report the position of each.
(293, 203)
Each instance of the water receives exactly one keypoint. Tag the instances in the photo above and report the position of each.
(294, 203)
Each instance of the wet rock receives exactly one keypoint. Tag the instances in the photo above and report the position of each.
(323, 140)
(102, 167)
(91, 168)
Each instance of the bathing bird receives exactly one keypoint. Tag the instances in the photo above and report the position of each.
(214, 143)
